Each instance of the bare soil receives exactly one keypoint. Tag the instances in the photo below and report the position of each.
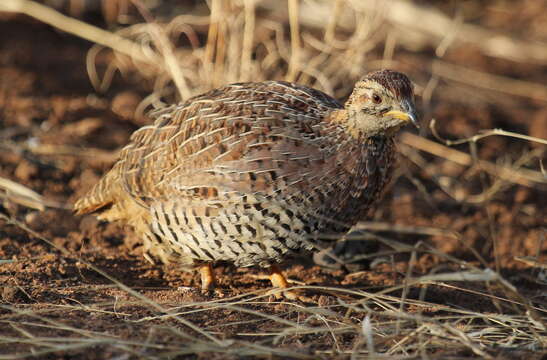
(46, 99)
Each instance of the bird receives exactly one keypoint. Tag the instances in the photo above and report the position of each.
(254, 173)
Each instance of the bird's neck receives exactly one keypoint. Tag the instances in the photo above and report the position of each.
(359, 127)
(341, 118)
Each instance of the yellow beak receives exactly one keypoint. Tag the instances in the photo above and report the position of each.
(405, 116)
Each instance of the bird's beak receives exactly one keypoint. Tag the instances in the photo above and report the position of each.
(408, 115)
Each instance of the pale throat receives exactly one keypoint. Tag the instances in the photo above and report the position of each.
(360, 126)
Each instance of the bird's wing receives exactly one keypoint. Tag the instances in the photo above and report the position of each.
(242, 138)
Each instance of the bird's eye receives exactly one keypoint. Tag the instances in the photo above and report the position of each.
(376, 98)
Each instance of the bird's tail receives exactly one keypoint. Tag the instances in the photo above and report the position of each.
(101, 197)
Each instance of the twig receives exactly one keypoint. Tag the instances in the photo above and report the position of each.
(429, 27)
(482, 134)
(248, 36)
(65, 150)
(404, 229)
(489, 81)
(531, 261)
(121, 285)
(521, 176)
(61, 150)
(20, 194)
(166, 47)
(294, 62)
(79, 28)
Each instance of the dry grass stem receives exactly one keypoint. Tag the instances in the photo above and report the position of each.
(166, 49)
(294, 62)
(483, 134)
(489, 81)
(520, 176)
(20, 194)
(431, 29)
(78, 28)
(122, 286)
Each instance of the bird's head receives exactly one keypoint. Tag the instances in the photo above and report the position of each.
(380, 104)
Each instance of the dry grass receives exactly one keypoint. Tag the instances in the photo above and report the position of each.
(245, 44)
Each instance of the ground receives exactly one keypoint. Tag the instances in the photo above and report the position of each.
(73, 287)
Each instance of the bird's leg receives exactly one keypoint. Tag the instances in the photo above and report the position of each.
(207, 277)
(278, 280)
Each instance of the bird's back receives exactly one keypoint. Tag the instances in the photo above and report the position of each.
(214, 130)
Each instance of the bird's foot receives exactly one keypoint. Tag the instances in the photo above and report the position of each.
(207, 278)
(278, 280)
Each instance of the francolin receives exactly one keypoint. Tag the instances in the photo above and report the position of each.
(254, 172)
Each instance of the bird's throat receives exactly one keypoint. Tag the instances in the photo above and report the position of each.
(358, 127)
(343, 119)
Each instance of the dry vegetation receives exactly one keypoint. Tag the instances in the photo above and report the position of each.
(461, 232)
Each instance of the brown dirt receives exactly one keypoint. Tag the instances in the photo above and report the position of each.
(46, 98)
